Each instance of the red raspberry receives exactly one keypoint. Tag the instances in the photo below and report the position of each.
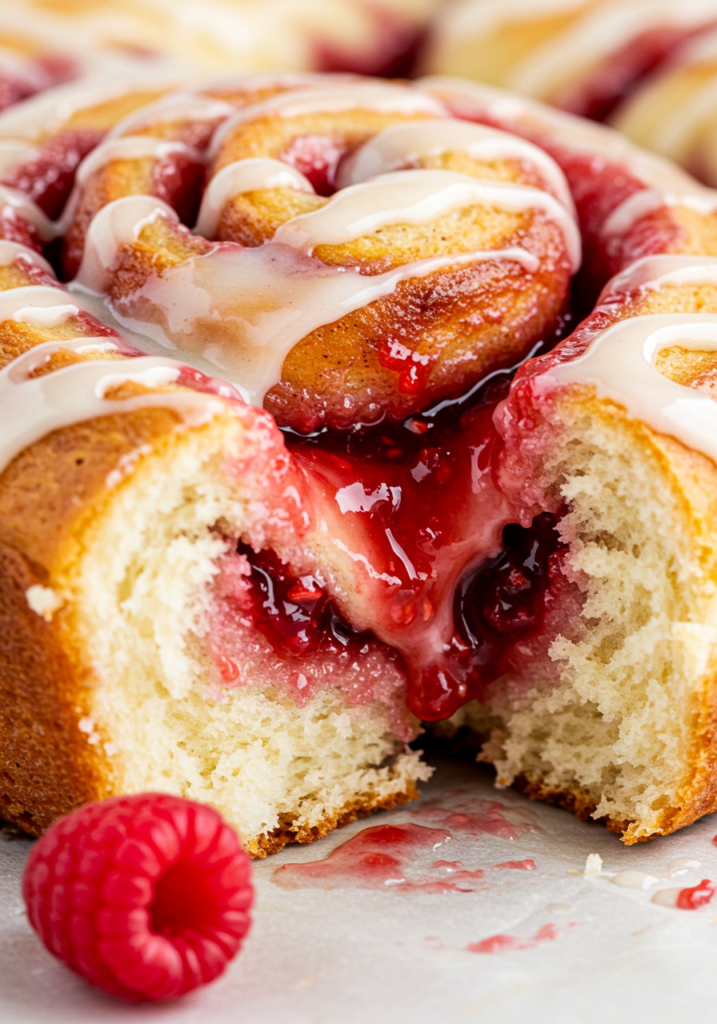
(145, 896)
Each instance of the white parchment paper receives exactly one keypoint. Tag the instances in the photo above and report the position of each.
(578, 949)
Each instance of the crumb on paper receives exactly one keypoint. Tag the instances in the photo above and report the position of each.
(593, 865)
(44, 601)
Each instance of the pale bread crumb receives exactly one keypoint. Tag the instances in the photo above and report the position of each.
(593, 865)
(44, 601)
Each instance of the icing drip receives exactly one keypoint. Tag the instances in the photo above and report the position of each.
(380, 98)
(182, 106)
(24, 209)
(11, 252)
(38, 405)
(575, 134)
(404, 145)
(128, 147)
(416, 197)
(243, 310)
(653, 272)
(37, 304)
(647, 201)
(244, 176)
(45, 114)
(117, 224)
(627, 352)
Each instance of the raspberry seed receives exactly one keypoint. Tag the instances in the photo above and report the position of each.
(146, 897)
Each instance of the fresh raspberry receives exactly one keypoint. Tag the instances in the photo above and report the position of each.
(145, 896)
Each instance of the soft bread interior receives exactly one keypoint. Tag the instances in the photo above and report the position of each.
(159, 713)
(615, 721)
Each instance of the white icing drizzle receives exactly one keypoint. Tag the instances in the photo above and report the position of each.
(639, 205)
(117, 224)
(38, 304)
(26, 210)
(574, 133)
(187, 105)
(570, 53)
(11, 252)
(633, 879)
(415, 197)
(630, 879)
(41, 116)
(243, 310)
(381, 98)
(242, 176)
(655, 271)
(14, 153)
(35, 406)
(127, 147)
(626, 353)
(404, 145)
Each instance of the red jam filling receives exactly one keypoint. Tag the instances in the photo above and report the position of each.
(48, 179)
(294, 612)
(508, 596)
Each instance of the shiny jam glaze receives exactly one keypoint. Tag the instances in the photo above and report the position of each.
(418, 501)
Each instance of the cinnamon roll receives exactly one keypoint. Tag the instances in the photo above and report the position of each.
(269, 498)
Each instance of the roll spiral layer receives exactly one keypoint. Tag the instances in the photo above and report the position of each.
(369, 261)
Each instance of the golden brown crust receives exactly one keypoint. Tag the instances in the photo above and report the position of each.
(49, 765)
(361, 807)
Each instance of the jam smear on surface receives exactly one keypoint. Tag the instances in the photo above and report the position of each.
(508, 943)
(472, 817)
(381, 858)
(401, 857)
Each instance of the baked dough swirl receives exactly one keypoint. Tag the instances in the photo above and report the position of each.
(192, 599)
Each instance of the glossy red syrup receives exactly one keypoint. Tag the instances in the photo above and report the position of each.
(697, 896)
(294, 612)
(416, 507)
(383, 858)
(508, 596)
(510, 943)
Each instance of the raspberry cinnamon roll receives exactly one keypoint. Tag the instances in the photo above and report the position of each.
(133, 493)
(581, 55)
(387, 229)
(369, 261)
(672, 111)
(380, 38)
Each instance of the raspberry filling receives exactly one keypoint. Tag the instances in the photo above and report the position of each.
(294, 612)
(454, 584)
(507, 597)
